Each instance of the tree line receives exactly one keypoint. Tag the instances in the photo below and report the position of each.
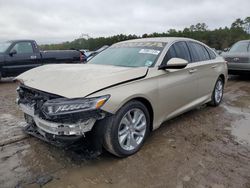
(218, 38)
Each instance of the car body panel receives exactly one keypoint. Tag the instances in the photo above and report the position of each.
(239, 66)
(207, 74)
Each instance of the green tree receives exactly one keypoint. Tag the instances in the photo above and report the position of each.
(218, 38)
(238, 23)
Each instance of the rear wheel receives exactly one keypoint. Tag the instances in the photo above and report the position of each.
(126, 132)
(217, 93)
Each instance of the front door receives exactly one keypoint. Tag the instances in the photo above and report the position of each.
(177, 88)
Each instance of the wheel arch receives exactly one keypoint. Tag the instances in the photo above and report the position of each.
(148, 105)
(222, 76)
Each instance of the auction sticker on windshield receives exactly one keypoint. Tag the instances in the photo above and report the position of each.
(158, 45)
(149, 51)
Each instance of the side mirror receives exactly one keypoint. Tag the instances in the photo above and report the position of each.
(12, 52)
(174, 63)
(226, 49)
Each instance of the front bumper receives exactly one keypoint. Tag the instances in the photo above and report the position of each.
(56, 140)
(238, 66)
(54, 128)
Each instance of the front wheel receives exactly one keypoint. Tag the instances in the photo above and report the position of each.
(217, 93)
(126, 132)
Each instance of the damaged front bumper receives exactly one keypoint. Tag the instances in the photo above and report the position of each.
(78, 128)
(62, 134)
(60, 129)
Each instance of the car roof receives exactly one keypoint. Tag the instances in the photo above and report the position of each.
(244, 41)
(159, 39)
(23, 40)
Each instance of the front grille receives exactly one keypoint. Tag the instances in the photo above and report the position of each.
(237, 59)
(33, 98)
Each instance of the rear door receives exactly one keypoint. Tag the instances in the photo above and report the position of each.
(204, 61)
(24, 59)
(177, 87)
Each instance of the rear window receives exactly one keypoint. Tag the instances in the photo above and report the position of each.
(198, 52)
(211, 53)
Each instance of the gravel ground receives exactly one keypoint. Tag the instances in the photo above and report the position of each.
(205, 148)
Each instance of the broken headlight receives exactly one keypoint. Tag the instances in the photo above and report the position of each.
(68, 106)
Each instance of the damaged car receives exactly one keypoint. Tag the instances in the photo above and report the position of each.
(121, 94)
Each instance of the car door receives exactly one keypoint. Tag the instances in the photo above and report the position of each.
(21, 57)
(204, 61)
(177, 87)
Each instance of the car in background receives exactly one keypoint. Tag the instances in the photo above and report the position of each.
(18, 56)
(217, 51)
(238, 58)
(121, 94)
(90, 54)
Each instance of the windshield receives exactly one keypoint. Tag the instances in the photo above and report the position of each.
(240, 47)
(4, 46)
(130, 54)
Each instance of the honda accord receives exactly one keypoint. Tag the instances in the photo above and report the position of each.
(121, 94)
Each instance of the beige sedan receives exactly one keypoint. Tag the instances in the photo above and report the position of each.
(122, 94)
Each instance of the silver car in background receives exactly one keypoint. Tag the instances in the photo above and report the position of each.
(238, 58)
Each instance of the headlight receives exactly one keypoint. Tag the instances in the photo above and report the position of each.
(67, 106)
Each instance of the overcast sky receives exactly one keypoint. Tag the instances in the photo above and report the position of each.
(52, 21)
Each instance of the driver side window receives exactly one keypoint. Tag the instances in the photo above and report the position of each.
(177, 50)
(23, 47)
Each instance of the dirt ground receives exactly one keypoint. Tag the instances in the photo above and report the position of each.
(205, 148)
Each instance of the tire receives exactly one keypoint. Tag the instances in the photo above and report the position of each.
(121, 135)
(217, 93)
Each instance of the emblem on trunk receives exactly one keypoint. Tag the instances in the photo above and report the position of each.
(236, 59)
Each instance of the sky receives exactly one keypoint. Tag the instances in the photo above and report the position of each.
(54, 21)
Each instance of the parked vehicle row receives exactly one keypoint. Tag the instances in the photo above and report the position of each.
(121, 94)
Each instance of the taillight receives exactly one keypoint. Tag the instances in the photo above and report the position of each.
(81, 57)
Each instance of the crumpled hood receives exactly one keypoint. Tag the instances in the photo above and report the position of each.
(78, 80)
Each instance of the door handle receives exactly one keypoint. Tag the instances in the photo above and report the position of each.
(214, 66)
(192, 71)
(33, 57)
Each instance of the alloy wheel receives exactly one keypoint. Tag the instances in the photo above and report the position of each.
(218, 91)
(132, 129)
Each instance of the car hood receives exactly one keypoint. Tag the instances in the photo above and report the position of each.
(78, 80)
